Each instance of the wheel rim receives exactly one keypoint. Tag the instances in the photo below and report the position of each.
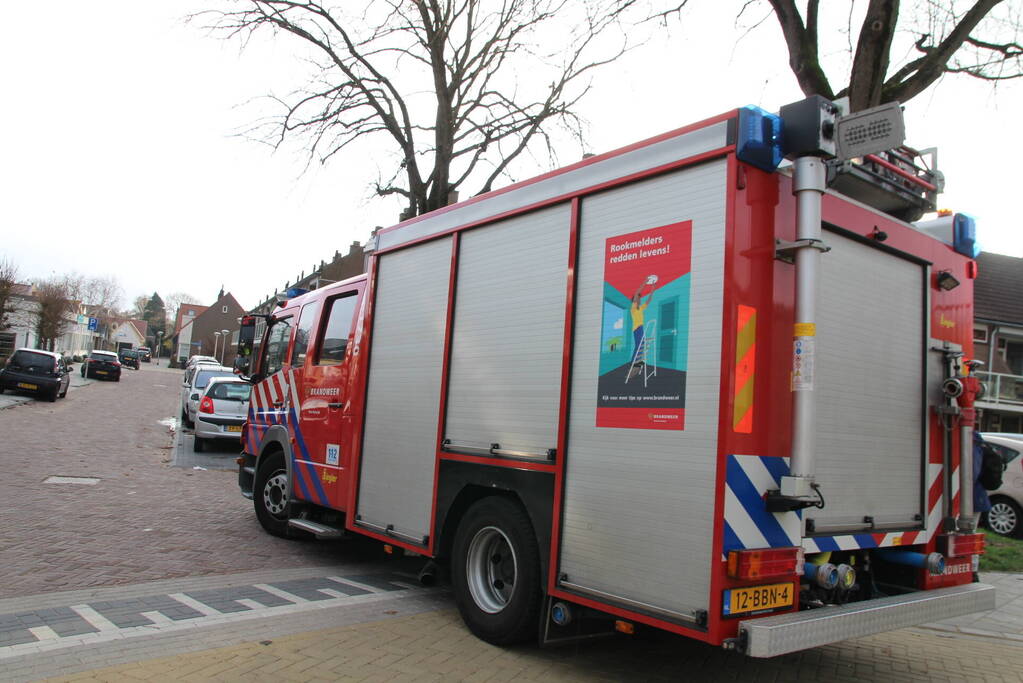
(491, 569)
(1002, 518)
(275, 493)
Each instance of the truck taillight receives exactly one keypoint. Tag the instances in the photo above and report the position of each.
(206, 405)
(961, 545)
(762, 564)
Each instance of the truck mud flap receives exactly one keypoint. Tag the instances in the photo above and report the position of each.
(786, 633)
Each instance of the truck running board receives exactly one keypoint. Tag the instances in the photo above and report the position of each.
(786, 633)
(315, 528)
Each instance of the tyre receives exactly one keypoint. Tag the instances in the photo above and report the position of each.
(198, 444)
(64, 393)
(51, 396)
(1005, 517)
(495, 572)
(270, 495)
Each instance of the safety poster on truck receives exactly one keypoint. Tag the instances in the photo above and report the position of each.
(644, 337)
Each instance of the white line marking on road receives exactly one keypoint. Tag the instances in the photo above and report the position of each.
(96, 619)
(158, 618)
(284, 595)
(110, 632)
(332, 593)
(44, 633)
(251, 604)
(200, 607)
(355, 584)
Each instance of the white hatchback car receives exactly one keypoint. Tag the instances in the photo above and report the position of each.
(222, 411)
(1006, 514)
(196, 379)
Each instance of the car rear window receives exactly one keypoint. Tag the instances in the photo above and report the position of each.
(202, 378)
(98, 355)
(230, 391)
(27, 360)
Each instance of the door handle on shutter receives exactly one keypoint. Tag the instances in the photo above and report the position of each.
(335, 406)
(278, 404)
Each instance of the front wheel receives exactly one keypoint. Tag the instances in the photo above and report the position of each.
(270, 495)
(495, 572)
(1005, 518)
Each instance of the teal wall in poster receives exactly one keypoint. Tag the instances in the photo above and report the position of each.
(616, 345)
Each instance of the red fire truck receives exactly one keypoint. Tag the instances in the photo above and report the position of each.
(685, 384)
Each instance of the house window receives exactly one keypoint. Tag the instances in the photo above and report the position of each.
(191, 311)
(7, 344)
(223, 309)
(980, 335)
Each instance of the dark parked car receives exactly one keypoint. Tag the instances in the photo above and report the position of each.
(144, 354)
(102, 364)
(129, 358)
(40, 372)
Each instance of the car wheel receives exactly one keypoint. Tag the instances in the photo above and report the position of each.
(270, 495)
(64, 393)
(198, 444)
(496, 572)
(52, 396)
(1005, 517)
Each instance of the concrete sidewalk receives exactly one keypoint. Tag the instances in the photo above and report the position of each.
(405, 632)
(1003, 622)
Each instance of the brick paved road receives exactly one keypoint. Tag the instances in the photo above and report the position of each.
(144, 519)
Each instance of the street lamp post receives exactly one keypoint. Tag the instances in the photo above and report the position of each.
(216, 342)
(159, 343)
(223, 347)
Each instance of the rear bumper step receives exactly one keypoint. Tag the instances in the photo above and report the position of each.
(772, 636)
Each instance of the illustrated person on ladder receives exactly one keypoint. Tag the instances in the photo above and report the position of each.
(639, 304)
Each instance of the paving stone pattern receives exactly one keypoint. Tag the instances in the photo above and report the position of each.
(144, 520)
(105, 616)
(434, 646)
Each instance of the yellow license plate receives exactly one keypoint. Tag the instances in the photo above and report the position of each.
(23, 385)
(101, 372)
(757, 598)
(234, 428)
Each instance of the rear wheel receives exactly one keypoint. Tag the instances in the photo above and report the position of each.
(496, 572)
(52, 395)
(1005, 517)
(270, 495)
(198, 444)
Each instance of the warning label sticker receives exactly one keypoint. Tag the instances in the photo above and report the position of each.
(803, 352)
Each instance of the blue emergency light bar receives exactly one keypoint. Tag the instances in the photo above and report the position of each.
(958, 230)
(759, 139)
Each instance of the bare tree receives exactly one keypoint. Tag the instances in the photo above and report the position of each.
(8, 278)
(54, 301)
(437, 77)
(138, 309)
(174, 300)
(889, 62)
(978, 39)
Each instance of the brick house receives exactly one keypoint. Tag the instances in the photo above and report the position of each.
(202, 333)
(998, 340)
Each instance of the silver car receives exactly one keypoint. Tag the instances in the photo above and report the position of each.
(196, 379)
(222, 411)
(1006, 514)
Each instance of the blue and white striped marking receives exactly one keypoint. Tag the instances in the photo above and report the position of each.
(748, 524)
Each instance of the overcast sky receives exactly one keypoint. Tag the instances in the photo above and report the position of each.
(119, 153)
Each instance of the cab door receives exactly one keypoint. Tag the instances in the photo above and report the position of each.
(268, 403)
(326, 420)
